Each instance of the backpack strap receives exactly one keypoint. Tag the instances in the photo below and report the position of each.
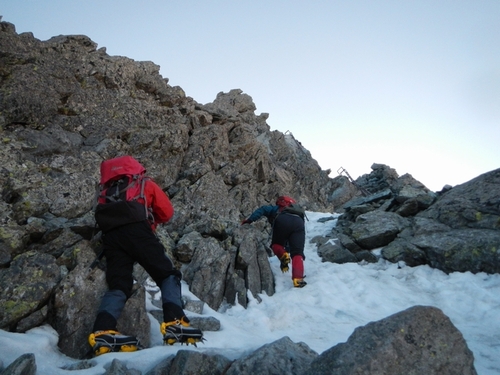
(114, 197)
(149, 213)
(147, 209)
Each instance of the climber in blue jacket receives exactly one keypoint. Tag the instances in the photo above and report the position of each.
(288, 235)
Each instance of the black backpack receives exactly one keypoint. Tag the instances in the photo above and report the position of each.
(295, 209)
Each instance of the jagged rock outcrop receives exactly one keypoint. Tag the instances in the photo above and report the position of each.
(457, 229)
(65, 106)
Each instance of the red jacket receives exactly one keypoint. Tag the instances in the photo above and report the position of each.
(159, 203)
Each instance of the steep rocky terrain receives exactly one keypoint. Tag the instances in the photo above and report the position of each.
(65, 106)
(456, 229)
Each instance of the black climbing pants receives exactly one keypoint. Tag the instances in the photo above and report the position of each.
(132, 243)
(289, 231)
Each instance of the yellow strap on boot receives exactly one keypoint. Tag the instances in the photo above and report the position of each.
(92, 336)
(164, 325)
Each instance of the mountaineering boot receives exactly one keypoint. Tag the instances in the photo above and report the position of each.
(112, 341)
(284, 261)
(283, 256)
(180, 331)
(299, 283)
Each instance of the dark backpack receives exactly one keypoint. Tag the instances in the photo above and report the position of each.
(120, 195)
(294, 209)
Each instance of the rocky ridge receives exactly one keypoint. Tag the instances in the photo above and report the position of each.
(454, 230)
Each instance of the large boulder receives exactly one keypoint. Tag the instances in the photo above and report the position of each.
(206, 273)
(462, 250)
(473, 204)
(335, 253)
(419, 340)
(282, 356)
(377, 228)
(27, 286)
(192, 362)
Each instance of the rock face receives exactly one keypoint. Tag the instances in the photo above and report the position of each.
(25, 365)
(65, 106)
(27, 285)
(420, 340)
(457, 229)
(280, 357)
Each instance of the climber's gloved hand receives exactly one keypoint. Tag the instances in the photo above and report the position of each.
(246, 221)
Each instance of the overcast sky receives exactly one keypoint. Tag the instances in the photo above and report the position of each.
(413, 84)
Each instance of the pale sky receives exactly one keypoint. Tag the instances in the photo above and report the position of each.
(414, 84)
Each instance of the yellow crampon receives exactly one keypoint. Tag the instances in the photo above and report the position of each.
(103, 342)
(93, 336)
(128, 348)
(170, 341)
(192, 341)
(102, 350)
(179, 322)
(180, 331)
(285, 260)
(188, 341)
(299, 283)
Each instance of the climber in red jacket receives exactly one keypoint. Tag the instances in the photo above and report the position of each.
(130, 207)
